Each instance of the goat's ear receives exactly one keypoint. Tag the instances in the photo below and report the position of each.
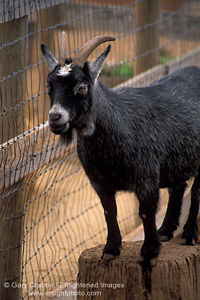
(97, 65)
(49, 58)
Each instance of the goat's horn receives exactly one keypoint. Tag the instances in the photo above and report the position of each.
(63, 47)
(82, 55)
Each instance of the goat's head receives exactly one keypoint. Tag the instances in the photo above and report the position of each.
(69, 86)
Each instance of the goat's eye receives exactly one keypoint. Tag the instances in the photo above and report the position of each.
(83, 89)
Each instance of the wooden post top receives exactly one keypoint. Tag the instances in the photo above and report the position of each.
(176, 274)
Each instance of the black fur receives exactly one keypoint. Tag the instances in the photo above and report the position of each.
(142, 139)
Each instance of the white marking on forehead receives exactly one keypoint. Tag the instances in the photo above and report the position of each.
(65, 70)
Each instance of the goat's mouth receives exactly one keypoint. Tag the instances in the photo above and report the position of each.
(61, 129)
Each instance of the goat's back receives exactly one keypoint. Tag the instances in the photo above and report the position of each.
(149, 134)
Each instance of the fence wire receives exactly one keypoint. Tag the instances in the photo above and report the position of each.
(48, 211)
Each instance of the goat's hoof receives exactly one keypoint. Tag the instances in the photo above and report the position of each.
(185, 242)
(193, 242)
(164, 238)
(150, 252)
(108, 256)
(165, 235)
(111, 251)
(153, 261)
(189, 237)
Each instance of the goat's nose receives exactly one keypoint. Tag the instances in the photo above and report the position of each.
(54, 116)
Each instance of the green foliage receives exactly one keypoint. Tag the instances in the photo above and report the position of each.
(126, 70)
(164, 58)
(123, 70)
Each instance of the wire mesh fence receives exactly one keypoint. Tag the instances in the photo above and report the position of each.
(49, 212)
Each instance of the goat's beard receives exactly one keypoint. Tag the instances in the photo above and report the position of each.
(67, 137)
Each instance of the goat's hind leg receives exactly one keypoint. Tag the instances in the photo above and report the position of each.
(190, 230)
(171, 220)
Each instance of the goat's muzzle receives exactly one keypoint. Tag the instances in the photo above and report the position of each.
(58, 119)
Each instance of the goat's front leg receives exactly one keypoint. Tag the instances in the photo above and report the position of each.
(114, 240)
(147, 212)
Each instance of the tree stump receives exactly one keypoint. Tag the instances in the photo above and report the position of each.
(176, 274)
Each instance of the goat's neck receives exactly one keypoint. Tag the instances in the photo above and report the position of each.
(103, 100)
(103, 112)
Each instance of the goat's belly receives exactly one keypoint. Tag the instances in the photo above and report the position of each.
(111, 170)
(170, 179)
(107, 174)
(111, 179)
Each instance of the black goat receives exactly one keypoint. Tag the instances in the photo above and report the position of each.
(131, 139)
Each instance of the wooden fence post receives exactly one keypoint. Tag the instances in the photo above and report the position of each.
(13, 122)
(147, 35)
(176, 274)
(11, 235)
